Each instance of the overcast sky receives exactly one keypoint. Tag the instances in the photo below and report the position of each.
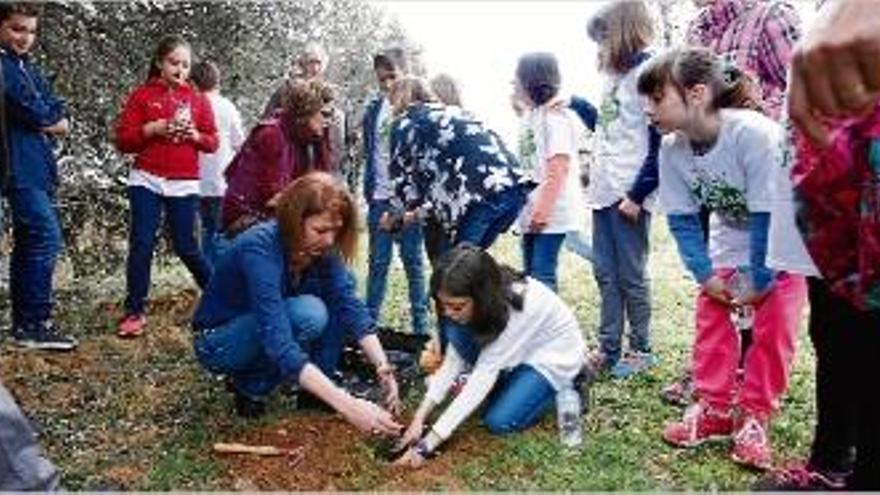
(479, 42)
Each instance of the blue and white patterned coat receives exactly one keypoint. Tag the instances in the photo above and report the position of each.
(443, 160)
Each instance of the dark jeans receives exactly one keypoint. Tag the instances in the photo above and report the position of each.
(209, 209)
(410, 242)
(36, 233)
(236, 350)
(146, 217)
(846, 341)
(480, 226)
(620, 258)
(518, 400)
(541, 256)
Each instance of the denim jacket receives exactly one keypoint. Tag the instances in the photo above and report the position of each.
(30, 106)
(254, 277)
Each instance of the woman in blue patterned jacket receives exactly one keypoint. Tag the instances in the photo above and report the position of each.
(446, 164)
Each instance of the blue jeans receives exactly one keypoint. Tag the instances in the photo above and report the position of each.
(620, 257)
(36, 233)
(146, 217)
(410, 243)
(520, 397)
(209, 209)
(235, 349)
(541, 256)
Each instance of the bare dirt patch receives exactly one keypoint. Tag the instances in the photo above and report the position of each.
(336, 457)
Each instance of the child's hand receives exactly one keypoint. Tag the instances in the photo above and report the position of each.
(752, 297)
(630, 209)
(716, 288)
(411, 459)
(58, 128)
(160, 127)
(412, 434)
(537, 224)
(431, 357)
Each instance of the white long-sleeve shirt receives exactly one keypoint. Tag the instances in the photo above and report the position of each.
(231, 136)
(544, 335)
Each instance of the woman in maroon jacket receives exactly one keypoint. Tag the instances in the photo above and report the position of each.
(166, 123)
(278, 150)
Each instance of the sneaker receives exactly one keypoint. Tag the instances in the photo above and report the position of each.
(633, 363)
(42, 336)
(246, 407)
(801, 478)
(679, 393)
(701, 423)
(131, 326)
(751, 447)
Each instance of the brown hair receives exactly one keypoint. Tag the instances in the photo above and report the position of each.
(27, 9)
(391, 59)
(445, 87)
(624, 28)
(205, 75)
(166, 45)
(408, 90)
(313, 194)
(303, 98)
(685, 68)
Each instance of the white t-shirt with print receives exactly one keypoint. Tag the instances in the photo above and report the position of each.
(544, 335)
(230, 135)
(741, 174)
(621, 142)
(555, 131)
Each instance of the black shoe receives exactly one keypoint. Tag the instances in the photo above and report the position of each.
(42, 336)
(245, 407)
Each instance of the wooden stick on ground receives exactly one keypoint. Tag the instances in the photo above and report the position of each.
(261, 450)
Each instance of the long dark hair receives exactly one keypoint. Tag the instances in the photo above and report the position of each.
(685, 68)
(538, 74)
(468, 271)
(166, 45)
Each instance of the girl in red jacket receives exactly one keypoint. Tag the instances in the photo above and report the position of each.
(166, 123)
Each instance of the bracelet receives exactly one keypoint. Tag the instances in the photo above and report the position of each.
(421, 448)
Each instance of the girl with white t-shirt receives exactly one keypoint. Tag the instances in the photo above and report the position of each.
(520, 341)
(552, 209)
(729, 161)
(622, 183)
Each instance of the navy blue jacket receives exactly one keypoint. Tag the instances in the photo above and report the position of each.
(371, 115)
(30, 106)
(253, 277)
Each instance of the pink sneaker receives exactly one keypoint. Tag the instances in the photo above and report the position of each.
(701, 423)
(131, 326)
(751, 447)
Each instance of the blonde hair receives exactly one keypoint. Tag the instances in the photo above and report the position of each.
(408, 90)
(623, 29)
(446, 89)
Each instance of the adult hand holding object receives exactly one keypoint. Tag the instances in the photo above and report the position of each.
(836, 67)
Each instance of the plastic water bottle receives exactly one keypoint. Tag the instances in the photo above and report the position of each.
(740, 284)
(568, 414)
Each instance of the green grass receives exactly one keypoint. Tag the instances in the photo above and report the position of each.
(147, 407)
(622, 448)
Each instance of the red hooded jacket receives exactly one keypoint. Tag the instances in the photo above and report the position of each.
(160, 155)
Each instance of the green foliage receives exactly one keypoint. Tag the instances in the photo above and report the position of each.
(97, 52)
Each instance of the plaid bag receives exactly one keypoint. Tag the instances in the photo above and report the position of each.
(838, 208)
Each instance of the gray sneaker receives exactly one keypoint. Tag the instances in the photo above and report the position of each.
(42, 336)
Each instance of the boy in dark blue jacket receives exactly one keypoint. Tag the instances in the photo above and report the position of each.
(34, 116)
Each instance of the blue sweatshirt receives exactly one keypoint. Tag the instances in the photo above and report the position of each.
(253, 277)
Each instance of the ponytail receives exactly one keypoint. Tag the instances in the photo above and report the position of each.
(740, 91)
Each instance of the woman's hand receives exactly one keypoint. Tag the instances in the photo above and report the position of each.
(369, 418)
(412, 434)
(59, 128)
(537, 224)
(630, 210)
(411, 459)
(390, 389)
(716, 288)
